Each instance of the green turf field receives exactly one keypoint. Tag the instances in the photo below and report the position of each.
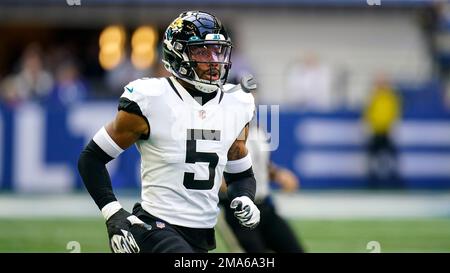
(424, 235)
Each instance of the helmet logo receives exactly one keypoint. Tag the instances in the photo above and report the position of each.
(177, 25)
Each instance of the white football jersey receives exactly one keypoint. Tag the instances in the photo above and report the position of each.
(259, 150)
(183, 160)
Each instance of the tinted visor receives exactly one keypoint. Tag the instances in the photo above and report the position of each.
(209, 53)
(212, 60)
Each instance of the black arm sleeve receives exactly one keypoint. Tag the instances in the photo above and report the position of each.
(240, 184)
(91, 166)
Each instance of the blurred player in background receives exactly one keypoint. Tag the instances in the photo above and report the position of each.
(190, 132)
(273, 233)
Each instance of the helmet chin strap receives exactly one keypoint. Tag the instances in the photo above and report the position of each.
(201, 86)
(206, 88)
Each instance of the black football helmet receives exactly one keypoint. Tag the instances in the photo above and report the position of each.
(193, 39)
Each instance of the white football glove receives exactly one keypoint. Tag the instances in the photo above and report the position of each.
(245, 211)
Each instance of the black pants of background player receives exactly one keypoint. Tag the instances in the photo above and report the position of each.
(383, 165)
(273, 233)
(166, 238)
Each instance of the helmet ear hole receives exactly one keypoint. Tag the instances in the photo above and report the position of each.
(178, 46)
(189, 64)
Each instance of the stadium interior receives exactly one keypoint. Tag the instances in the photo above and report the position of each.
(318, 64)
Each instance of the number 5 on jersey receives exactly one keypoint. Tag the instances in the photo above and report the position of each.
(192, 156)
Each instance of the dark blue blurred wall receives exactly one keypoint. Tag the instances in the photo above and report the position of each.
(39, 147)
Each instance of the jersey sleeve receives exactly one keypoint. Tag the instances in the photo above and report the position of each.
(247, 103)
(243, 104)
(134, 100)
(251, 111)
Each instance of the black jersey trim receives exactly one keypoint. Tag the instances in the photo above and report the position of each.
(173, 87)
(132, 107)
(221, 96)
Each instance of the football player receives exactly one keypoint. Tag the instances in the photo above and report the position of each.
(189, 132)
(273, 234)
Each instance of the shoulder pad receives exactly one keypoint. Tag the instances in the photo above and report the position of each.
(146, 86)
(240, 95)
(245, 100)
(142, 91)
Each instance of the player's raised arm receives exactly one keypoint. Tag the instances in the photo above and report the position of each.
(108, 143)
(241, 182)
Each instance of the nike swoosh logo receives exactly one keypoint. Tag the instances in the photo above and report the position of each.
(130, 90)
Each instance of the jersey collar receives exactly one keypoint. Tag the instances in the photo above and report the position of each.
(187, 98)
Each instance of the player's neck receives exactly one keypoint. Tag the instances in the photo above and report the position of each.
(201, 97)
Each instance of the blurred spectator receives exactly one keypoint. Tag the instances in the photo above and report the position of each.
(124, 73)
(33, 81)
(9, 92)
(312, 85)
(438, 34)
(447, 95)
(381, 114)
(69, 88)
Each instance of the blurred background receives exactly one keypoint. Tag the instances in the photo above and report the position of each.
(363, 89)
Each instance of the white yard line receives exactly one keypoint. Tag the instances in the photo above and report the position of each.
(329, 205)
(306, 205)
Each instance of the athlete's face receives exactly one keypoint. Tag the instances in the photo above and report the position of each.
(210, 59)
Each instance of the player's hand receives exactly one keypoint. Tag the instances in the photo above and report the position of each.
(287, 179)
(245, 211)
(120, 238)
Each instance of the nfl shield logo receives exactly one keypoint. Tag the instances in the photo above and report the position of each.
(160, 224)
(202, 114)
